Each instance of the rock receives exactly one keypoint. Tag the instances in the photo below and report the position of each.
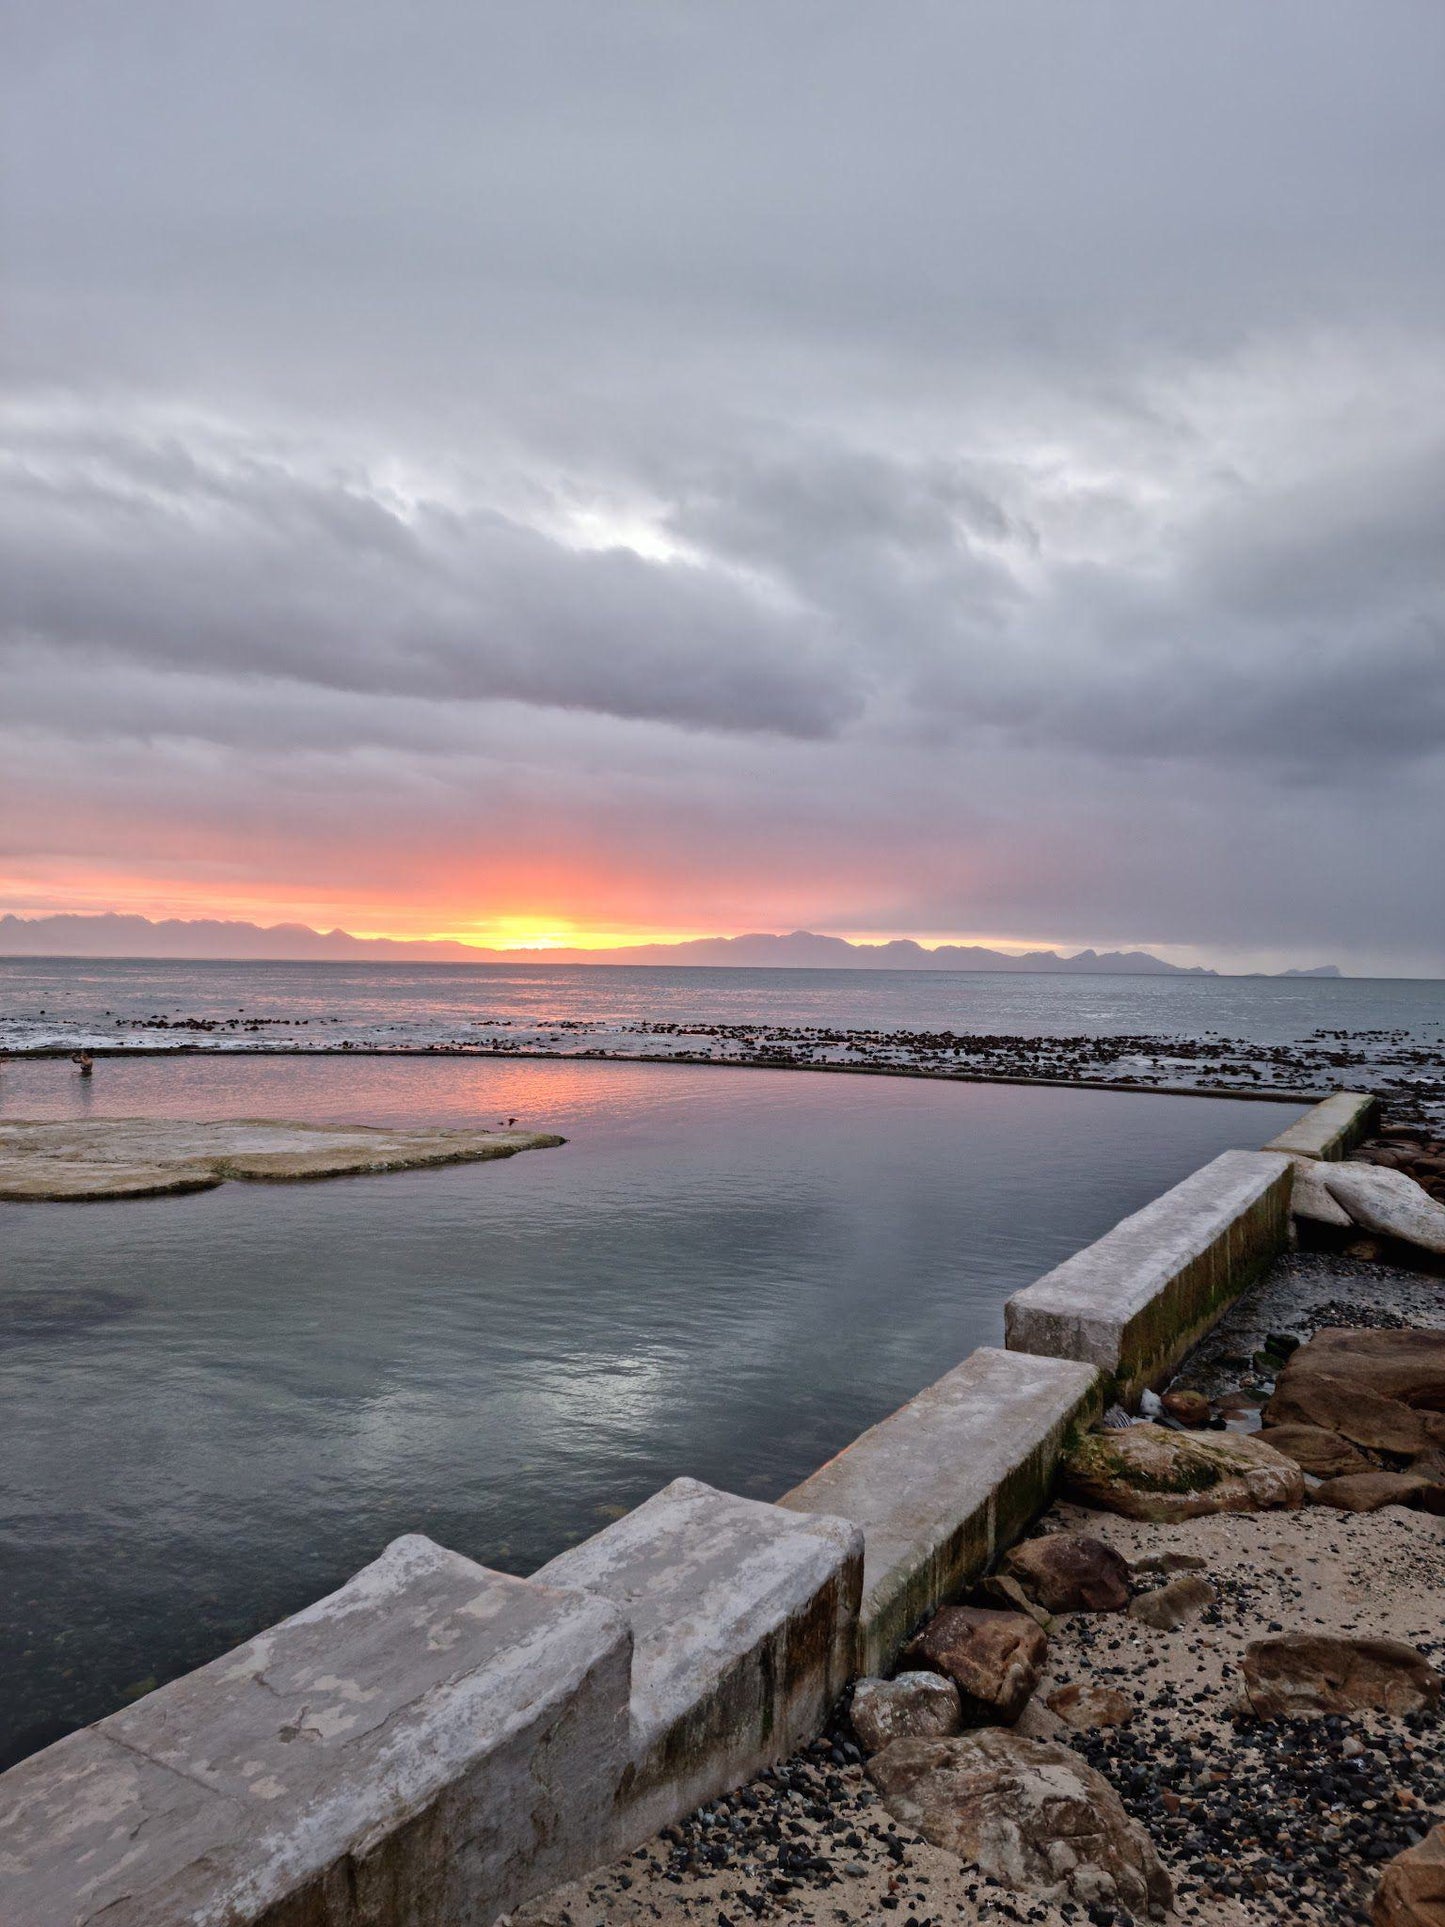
(1412, 1887)
(1070, 1572)
(1083, 1706)
(993, 1658)
(1166, 1562)
(1368, 1491)
(1036, 1722)
(1173, 1605)
(915, 1706)
(1408, 1364)
(1006, 1594)
(1338, 1405)
(1152, 1473)
(1384, 1390)
(1324, 1455)
(1310, 1199)
(1187, 1408)
(1030, 1814)
(1388, 1203)
(1299, 1674)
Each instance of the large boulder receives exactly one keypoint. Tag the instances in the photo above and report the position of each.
(1321, 1453)
(1070, 1572)
(1309, 1198)
(1389, 1203)
(1300, 1674)
(1407, 1365)
(1368, 1491)
(993, 1658)
(1150, 1472)
(915, 1706)
(1030, 1814)
(1351, 1410)
(1412, 1887)
(1384, 1390)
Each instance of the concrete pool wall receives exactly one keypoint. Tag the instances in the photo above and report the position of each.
(436, 1742)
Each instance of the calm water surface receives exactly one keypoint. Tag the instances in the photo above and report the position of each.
(213, 1408)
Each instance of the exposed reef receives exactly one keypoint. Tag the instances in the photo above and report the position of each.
(138, 1157)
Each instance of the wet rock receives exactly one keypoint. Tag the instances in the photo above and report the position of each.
(1084, 1706)
(1030, 1814)
(1412, 1887)
(1323, 1454)
(1174, 1605)
(1303, 1674)
(1368, 1491)
(914, 1706)
(1388, 1203)
(1070, 1572)
(1152, 1473)
(1187, 1408)
(993, 1658)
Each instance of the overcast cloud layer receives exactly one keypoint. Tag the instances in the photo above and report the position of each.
(952, 470)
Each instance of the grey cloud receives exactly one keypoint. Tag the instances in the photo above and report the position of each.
(1029, 418)
(245, 567)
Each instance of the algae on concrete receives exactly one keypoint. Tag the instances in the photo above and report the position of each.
(139, 1157)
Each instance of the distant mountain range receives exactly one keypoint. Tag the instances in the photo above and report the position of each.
(203, 940)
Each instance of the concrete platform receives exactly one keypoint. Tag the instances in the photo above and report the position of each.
(433, 1743)
(1141, 1297)
(944, 1483)
(144, 1157)
(1330, 1130)
(742, 1621)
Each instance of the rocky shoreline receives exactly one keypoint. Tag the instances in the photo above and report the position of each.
(1392, 1063)
(1216, 1697)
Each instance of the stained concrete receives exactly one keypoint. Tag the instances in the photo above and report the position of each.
(942, 1485)
(1330, 1129)
(1135, 1302)
(137, 1157)
(432, 1743)
(742, 1619)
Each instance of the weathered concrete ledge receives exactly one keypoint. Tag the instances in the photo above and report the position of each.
(1138, 1300)
(742, 1620)
(433, 1743)
(139, 1157)
(1330, 1130)
(942, 1485)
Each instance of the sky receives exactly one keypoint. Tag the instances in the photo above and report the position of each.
(586, 472)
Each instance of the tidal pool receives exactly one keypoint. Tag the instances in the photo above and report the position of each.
(213, 1408)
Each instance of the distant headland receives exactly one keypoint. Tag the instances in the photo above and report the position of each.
(201, 940)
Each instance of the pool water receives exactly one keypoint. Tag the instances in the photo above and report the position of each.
(213, 1408)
